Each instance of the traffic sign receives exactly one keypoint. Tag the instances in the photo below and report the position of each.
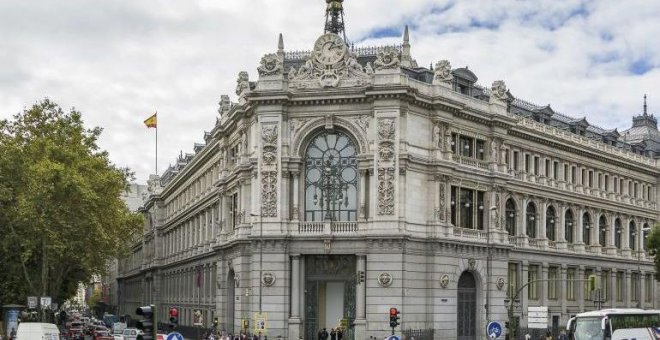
(174, 336)
(46, 301)
(393, 337)
(494, 330)
(33, 302)
(537, 317)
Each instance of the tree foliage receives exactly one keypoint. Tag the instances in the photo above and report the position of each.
(653, 244)
(61, 213)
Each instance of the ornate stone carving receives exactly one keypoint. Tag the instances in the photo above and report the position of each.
(500, 283)
(494, 150)
(472, 264)
(292, 73)
(386, 150)
(242, 83)
(386, 191)
(442, 73)
(387, 58)
(224, 104)
(385, 279)
(269, 137)
(362, 122)
(369, 69)
(444, 281)
(386, 128)
(270, 65)
(237, 281)
(268, 279)
(448, 140)
(295, 124)
(329, 65)
(443, 203)
(499, 91)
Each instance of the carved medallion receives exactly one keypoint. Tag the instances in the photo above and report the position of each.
(387, 58)
(270, 65)
(268, 279)
(472, 264)
(385, 279)
(444, 281)
(500, 283)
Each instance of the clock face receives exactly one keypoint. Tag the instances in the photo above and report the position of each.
(329, 49)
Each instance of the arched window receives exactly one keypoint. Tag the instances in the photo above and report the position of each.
(632, 232)
(550, 229)
(602, 231)
(568, 223)
(511, 216)
(531, 220)
(586, 228)
(618, 229)
(331, 178)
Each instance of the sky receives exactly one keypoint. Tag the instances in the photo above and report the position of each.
(119, 61)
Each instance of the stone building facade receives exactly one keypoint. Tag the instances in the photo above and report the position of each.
(346, 181)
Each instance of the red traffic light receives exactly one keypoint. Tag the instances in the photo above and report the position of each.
(394, 311)
(174, 312)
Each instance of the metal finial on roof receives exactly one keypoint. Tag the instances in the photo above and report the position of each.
(406, 36)
(334, 18)
(280, 44)
(645, 112)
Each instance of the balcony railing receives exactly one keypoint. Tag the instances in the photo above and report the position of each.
(473, 162)
(470, 233)
(327, 227)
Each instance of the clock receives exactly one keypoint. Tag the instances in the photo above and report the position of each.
(329, 49)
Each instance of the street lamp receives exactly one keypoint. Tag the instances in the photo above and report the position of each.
(261, 251)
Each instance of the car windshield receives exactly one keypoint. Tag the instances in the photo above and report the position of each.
(588, 329)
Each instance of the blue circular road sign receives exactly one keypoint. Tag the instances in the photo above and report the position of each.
(174, 336)
(494, 328)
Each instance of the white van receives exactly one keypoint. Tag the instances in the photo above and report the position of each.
(37, 331)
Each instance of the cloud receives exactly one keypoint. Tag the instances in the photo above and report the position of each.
(118, 61)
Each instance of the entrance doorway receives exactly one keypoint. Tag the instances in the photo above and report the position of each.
(466, 307)
(329, 293)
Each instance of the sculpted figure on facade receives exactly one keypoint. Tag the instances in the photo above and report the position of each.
(224, 104)
(292, 73)
(448, 140)
(270, 65)
(369, 69)
(442, 73)
(499, 90)
(353, 64)
(441, 208)
(494, 150)
(242, 83)
(387, 58)
(386, 129)
(269, 138)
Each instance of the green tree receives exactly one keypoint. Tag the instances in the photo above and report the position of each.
(61, 214)
(653, 244)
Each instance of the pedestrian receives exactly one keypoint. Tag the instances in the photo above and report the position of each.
(562, 335)
(340, 333)
(12, 334)
(320, 335)
(324, 334)
(548, 335)
(333, 334)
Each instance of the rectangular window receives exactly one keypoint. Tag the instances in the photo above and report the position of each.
(648, 288)
(570, 284)
(573, 174)
(512, 280)
(507, 159)
(607, 183)
(555, 170)
(566, 172)
(467, 208)
(466, 146)
(454, 137)
(591, 179)
(480, 150)
(599, 184)
(547, 168)
(616, 185)
(532, 288)
(553, 281)
(527, 163)
(621, 186)
(619, 286)
(636, 191)
(583, 176)
(604, 285)
(233, 210)
(516, 160)
(634, 293)
(536, 165)
(587, 291)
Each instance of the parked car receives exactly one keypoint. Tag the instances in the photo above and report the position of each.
(102, 335)
(131, 333)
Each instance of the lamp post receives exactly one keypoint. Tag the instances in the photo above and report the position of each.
(488, 264)
(261, 251)
(639, 267)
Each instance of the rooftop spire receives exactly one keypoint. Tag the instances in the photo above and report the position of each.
(406, 36)
(645, 112)
(334, 18)
(280, 44)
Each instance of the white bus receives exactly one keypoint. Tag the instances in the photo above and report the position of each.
(615, 324)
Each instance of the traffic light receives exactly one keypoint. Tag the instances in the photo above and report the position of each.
(360, 276)
(173, 313)
(394, 317)
(148, 323)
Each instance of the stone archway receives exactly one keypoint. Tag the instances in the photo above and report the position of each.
(466, 307)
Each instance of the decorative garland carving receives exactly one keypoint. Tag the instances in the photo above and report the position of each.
(269, 138)
(387, 58)
(295, 124)
(362, 122)
(386, 191)
(441, 209)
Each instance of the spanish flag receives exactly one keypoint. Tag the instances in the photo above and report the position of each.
(151, 121)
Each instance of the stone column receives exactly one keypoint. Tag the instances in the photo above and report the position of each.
(579, 230)
(642, 285)
(524, 294)
(296, 194)
(542, 177)
(611, 235)
(295, 322)
(580, 284)
(627, 289)
(541, 223)
(363, 194)
(560, 227)
(361, 299)
(543, 293)
(612, 296)
(563, 294)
